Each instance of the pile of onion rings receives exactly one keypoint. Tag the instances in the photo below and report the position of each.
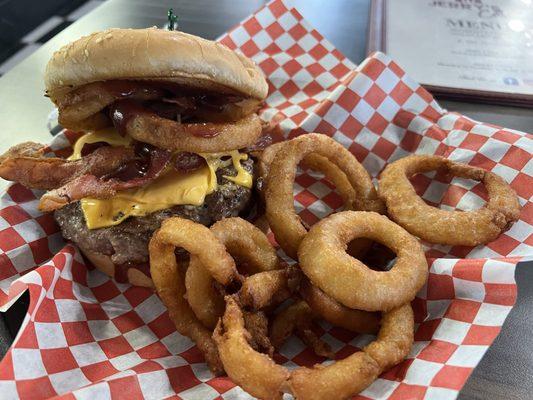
(220, 259)
(248, 246)
(265, 379)
(236, 285)
(259, 375)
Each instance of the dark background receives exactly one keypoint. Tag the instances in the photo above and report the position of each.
(18, 18)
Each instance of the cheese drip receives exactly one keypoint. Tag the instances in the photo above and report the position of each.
(108, 135)
(215, 161)
(170, 189)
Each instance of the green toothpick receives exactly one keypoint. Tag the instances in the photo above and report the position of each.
(172, 20)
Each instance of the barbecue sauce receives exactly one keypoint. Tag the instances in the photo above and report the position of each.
(185, 161)
(121, 112)
(137, 168)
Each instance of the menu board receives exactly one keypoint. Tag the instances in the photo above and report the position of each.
(460, 48)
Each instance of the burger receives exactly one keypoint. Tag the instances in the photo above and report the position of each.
(168, 122)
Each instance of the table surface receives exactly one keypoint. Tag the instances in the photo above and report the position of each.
(507, 368)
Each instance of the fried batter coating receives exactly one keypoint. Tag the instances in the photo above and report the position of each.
(465, 228)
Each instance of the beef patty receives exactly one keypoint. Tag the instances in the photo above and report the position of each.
(128, 241)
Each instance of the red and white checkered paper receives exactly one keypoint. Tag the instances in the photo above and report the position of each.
(86, 336)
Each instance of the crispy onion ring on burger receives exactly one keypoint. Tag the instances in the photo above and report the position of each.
(82, 105)
(85, 105)
(283, 220)
(200, 137)
(467, 228)
(323, 259)
(246, 244)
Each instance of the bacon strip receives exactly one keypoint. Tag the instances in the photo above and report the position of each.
(262, 143)
(100, 188)
(185, 161)
(25, 149)
(26, 165)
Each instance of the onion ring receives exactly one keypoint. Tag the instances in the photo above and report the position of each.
(395, 337)
(284, 222)
(83, 103)
(469, 228)
(228, 111)
(354, 373)
(336, 381)
(182, 232)
(323, 259)
(332, 173)
(246, 244)
(255, 372)
(167, 134)
(257, 324)
(298, 317)
(203, 296)
(169, 282)
(269, 288)
(317, 163)
(337, 314)
(259, 375)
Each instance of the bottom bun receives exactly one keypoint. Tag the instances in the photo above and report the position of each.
(121, 274)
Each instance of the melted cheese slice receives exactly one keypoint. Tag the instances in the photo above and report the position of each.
(173, 188)
(109, 135)
(217, 160)
(170, 189)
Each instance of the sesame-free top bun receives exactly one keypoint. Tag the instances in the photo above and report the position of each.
(153, 54)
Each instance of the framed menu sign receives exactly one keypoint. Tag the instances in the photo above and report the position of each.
(479, 49)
